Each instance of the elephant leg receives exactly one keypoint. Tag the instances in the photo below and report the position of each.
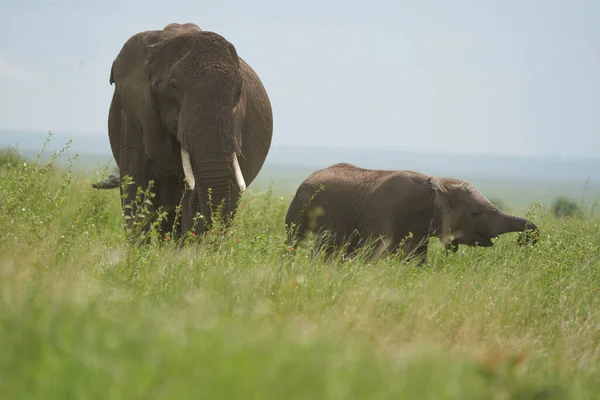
(136, 220)
(132, 162)
(127, 148)
(168, 195)
(420, 251)
(382, 249)
(296, 235)
(415, 247)
(168, 192)
(190, 206)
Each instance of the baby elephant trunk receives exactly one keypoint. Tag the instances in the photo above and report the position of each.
(529, 230)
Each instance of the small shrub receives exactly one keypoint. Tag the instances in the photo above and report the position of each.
(10, 156)
(564, 207)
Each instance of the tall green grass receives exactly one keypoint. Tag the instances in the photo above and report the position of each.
(84, 315)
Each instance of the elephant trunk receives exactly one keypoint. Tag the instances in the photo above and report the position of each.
(215, 186)
(511, 223)
(210, 163)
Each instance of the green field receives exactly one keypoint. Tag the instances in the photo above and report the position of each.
(85, 316)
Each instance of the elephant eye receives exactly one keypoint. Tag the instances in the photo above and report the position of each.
(173, 83)
(475, 213)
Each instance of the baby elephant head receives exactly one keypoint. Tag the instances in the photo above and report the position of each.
(471, 219)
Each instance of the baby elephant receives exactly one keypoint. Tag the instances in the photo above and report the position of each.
(396, 209)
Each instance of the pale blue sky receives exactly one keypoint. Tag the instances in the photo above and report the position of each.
(506, 77)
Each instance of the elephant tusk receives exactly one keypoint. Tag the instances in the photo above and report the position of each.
(238, 173)
(187, 168)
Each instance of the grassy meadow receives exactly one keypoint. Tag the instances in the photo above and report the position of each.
(84, 315)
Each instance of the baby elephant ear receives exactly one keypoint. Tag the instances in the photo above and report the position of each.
(433, 182)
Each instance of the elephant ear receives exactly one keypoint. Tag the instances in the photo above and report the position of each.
(257, 127)
(442, 208)
(131, 75)
(239, 110)
(239, 116)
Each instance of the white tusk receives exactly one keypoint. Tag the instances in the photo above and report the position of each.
(187, 168)
(238, 173)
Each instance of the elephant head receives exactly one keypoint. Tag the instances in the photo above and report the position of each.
(468, 217)
(185, 88)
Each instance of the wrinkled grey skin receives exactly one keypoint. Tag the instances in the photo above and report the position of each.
(182, 87)
(387, 205)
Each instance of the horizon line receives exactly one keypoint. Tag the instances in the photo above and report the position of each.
(335, 147)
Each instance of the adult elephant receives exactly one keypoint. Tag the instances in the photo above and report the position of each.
(186, 105)
(397, 209)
